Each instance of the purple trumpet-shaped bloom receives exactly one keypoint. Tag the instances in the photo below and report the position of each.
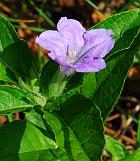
(76, 49)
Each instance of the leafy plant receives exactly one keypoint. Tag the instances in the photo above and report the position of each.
(63, 118)
(119, 152)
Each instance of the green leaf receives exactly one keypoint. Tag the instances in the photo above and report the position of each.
(15, 54)
(13, 100)
(135, 156)
(35, 118)
(108, 83)
(52, 80)
(94, 79)
(84, 118)
(115, 148)
(23, 141)
(121, 22)
(124, 36)
(46, 76)
(5, 74)
(137, 53)
(138, 134)
(124, 42)
(71, 148)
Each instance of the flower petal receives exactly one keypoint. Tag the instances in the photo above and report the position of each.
(98, 43)
(73, 32)
(59, 59)
(63, 22)
(52, 41)
(90, 65)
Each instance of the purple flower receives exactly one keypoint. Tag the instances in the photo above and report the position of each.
(76, 49)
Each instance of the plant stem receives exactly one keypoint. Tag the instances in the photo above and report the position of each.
(19, 20)
(41, 13)
(10, 117)
(138, 134)
(93, 5)
(36, 29)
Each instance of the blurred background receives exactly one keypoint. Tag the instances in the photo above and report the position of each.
(31, 17)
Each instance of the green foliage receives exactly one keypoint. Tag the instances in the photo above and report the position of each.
(135, 156)
(66, 140)
(138, 134)
(15, 56)
(13, 100)
(52, 80)
(84, 119)
(35, 118)
(23, 141)
(6, 75)
(137, 52)
(120, 23)
(118, 151)
(109, 82)
(83, 101)
(47, 74)
(115, 148)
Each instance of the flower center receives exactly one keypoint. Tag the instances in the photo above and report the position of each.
(71, 57)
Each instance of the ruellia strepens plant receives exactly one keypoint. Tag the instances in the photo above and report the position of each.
(66, 103)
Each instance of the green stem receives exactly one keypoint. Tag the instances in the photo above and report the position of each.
(129, 115)
(10, 117)
(93, 5)
(35, 29)
(41, 13)
(57, 84)
(18, 20)
(138, 134)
